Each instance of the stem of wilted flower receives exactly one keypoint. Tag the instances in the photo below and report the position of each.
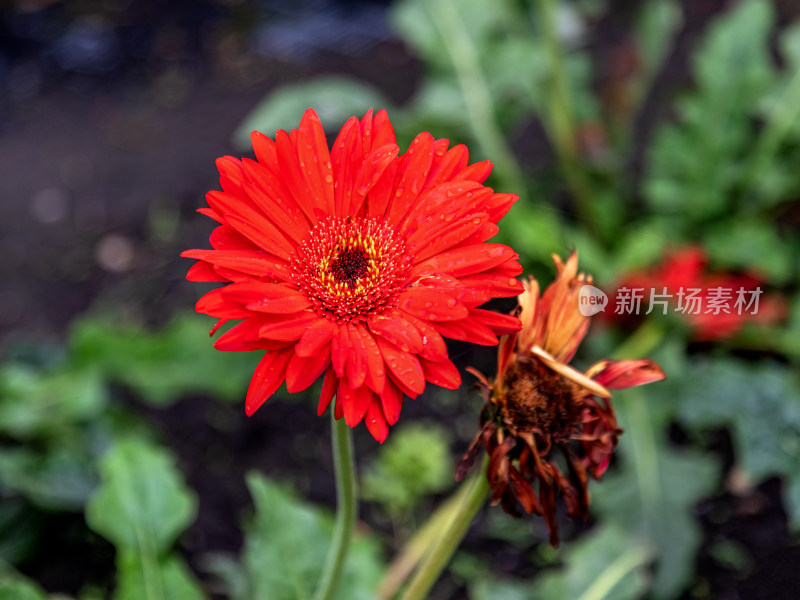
(346, 509)
(418, 545)
(642, 341)
(445, 545)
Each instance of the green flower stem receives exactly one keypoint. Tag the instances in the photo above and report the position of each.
(560, 120)
(475, 89)
(346, 509)
(641, 342)
(417, 546)
(445, 545)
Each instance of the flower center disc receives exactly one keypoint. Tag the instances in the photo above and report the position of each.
(350, 268)
(535, 397)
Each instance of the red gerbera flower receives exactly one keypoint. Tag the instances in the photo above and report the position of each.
(541, 413)
(355, 263)
(683, 271)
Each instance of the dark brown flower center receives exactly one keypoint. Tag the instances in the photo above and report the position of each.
(351, 268)
(349, 265)
(534, 397)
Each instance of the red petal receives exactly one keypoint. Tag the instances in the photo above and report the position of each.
(467, 331)
(212, 214)
(203, 272)
(264, 149)
(499, 204)
(315, 160)
(398, 331)
(214, 304)
(499, 324)
(357, 360)
(439, 206)
(376, 371)
(267, 191)
(446, 165)
(263, 233)
(355, 402)
(329, 386)
(409, 186)
(391, 402)
(469, 260)
(431, 304)
(303, 371)
(382, 132)
(450, 236)
(500, 286)
(346, 156)
(252, 262)
(401, 385)
(291, 303)
(315, 337)
(625, 373)
(251, 223)
(372, 169)
(293, 178)
(268, 377)
(239, 338)
(375, 421)
(225, 238)
(433, 346)
(477, 172)
(443, 373)
(340, 346)
(378, 198)
(404, 366)
(288, 328)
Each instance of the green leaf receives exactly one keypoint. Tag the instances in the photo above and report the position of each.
(164, 579)
(335, 99)
(36, 403)
(533, 230)
(163, 365)
(14, 587)
(762, 409)
(695, 165)
(483, 21)
(750, 244)
(414, 462)
(142, 503)
(20, 529)
(652, 494)
(285, 548)
(605, 564)
(57, 478)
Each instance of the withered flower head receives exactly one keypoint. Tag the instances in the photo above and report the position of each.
(542, 416)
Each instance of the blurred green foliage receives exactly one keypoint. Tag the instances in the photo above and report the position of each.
(142, 505)
(414, 462)
(285, 545)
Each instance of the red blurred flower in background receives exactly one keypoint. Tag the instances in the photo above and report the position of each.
(538, 407)
(684, 271)
(356, 263)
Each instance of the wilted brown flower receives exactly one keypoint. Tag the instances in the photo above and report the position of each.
(539, 408)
